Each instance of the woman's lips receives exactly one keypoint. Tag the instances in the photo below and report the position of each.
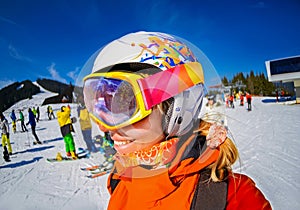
(120, 140)
(120, 143)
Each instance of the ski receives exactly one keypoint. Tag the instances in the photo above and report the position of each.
(94, 175)
(95, 167)
(64, 159)
(90, 168)
(53, 160)
(100, 169)
(96, 171)
(81, 154)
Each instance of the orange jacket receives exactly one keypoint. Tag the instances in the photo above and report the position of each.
(174, 188)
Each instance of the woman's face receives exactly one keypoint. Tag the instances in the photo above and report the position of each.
(140, 135)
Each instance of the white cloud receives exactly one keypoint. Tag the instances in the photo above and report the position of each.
(7, 20)
(5, 83)
(13, 52)
(55, 75)
(73, 74)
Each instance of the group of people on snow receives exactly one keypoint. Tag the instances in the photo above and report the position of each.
(231, 98)
(64, 121)
(32, 118)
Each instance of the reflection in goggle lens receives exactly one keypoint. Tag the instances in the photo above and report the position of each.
(110, 100)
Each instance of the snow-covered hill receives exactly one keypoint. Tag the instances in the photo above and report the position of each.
(267, 137)
(37, 184)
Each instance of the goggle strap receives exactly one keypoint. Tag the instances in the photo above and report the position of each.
(166, 84)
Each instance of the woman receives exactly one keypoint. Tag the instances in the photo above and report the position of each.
(146, 90)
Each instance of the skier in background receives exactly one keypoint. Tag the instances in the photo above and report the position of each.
(242, 99)
(50, 112)
(31, 121)
(23, 127)
(66, 127)
(13, 119)
(249, 100)
(86, 127)
(5, 135)
(231, 98)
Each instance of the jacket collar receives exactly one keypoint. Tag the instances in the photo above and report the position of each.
(147, 182)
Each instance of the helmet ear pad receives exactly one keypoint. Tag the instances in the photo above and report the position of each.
(167, 114)
(183, 111)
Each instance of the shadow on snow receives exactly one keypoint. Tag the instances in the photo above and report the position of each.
(52, 140)
(21, 163)
(36, 149)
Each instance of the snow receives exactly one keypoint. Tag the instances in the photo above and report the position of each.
(20, 87)
(267, 138)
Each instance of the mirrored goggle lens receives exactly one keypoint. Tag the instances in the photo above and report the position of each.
(112, 101)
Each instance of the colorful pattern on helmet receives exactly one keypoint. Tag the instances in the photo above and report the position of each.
(158, 49)
(164, 52)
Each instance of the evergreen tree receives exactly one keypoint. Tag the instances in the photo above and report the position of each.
(255, 84)
(225, 81)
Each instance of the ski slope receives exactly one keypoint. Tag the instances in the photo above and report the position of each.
(267, 138)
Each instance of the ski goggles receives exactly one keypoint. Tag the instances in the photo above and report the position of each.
(117, 99)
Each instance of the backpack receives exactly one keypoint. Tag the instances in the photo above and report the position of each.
(209, 194)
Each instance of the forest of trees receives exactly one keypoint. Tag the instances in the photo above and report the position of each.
(254, 84)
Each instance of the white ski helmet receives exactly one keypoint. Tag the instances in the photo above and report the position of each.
(141, 50)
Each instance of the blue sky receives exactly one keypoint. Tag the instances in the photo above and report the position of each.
(53, 39)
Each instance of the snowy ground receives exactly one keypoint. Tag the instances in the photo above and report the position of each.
(267, 138)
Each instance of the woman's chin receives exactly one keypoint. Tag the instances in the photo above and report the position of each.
(125, 148)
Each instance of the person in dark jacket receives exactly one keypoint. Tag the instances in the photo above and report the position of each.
(32, 123)
(249, 99)
(13, 119)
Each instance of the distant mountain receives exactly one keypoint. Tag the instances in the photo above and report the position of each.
(64, 91)
(16, 92)
(23, 90)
